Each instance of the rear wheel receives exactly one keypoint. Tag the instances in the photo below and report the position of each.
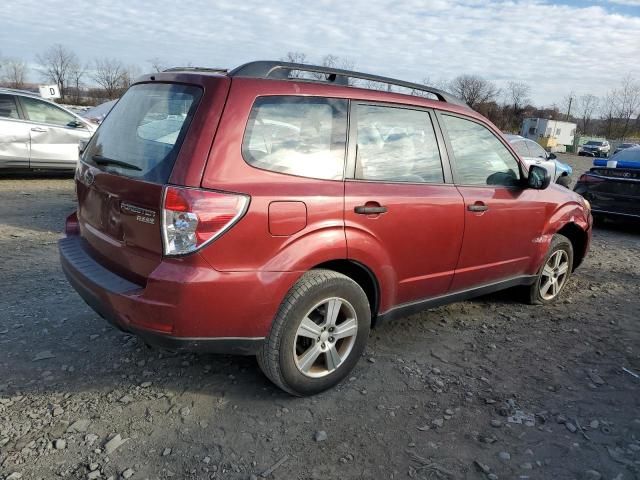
(554, 273)
(318, 335)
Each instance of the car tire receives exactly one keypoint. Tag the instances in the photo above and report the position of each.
(554, 273)
(564, 180)
(300, 354)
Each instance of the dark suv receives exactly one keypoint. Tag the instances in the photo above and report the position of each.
(280, 209)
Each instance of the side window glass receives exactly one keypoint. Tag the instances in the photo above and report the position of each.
(397, 145)
(303, 136)
(536, 150)
(521, 148)
(480, 158)
(8, 107)
(39, 111)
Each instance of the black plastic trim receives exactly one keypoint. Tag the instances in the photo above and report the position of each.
(73, 253)
(407, 309)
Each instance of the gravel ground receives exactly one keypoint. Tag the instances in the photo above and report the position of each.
(488, 388)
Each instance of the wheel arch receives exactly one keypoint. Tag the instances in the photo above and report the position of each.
(578, 238)
(362, 275)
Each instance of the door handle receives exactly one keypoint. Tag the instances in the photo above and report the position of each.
(478, 207)
(370, 209)
(38, 129)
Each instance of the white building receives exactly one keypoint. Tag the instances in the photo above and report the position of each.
(542, 128)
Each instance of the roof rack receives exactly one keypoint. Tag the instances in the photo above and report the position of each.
(281, 71)
(196, 69)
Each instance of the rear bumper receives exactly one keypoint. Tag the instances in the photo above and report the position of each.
(185, 305)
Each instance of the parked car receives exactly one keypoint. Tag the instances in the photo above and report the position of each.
(258, 213)
(613, 186)
(98, 113)
(623, 146)
(595, 148)
(533, 154)
(38, 134)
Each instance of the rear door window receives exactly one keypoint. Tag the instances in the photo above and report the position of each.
(397, 145)
(303, 136)
(142, 135)
(8, 107)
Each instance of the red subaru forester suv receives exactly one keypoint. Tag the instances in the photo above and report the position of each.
(281, 209)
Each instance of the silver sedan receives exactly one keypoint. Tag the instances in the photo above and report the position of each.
(38, 134)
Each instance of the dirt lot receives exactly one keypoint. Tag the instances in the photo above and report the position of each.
(483, 389)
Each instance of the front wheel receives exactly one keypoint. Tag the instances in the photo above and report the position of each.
(565, 181)
(318, 335)
(554, 273)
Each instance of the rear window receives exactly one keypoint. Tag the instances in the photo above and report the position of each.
(303, 136)
(142, 135)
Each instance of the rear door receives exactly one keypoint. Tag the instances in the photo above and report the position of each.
(502, 218)
(123, 171)
(14, 134)
(54, 134)
(401, 211)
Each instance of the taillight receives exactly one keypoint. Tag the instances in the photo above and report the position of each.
(191, 217)
(586, 178)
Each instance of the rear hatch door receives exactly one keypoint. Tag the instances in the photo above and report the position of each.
(142, 145)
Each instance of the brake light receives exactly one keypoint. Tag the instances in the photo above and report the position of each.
(586, 178)
(192, 217)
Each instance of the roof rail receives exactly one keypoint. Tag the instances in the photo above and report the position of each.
(281, 71)
(196, 69)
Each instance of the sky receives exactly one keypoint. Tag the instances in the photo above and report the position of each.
(579, 46)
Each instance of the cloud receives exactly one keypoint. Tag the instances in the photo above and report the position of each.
(554, 48)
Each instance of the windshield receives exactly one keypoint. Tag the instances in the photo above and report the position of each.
(593, 142)
(142, 134)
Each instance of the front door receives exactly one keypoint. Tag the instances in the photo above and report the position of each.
(402, 214)
(53, 136)
(503, 219)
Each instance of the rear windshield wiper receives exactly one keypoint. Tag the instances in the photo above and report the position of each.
(100, 160)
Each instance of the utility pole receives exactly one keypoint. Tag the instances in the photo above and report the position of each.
(569, 109)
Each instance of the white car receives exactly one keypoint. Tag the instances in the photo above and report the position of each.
(38, 134)
(534, 154)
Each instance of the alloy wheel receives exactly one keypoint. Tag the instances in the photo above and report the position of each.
(554, 275)
(325, 337)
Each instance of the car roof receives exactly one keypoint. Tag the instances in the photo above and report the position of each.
(327, 76)
(513, 138)
(16, 91)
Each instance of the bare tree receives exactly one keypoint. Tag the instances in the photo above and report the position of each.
(110, 74)
(76, 74)
(295, 57)
(15, 73)
(518, 95)
(473, 89)
(57, 62)
(587, 106)
(131, 72)
(627, 103)
(608, 112)
(157, 65)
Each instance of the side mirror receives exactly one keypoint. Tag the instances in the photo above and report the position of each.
(539, 177)
(82, 146)
(552, 156)
(75, 124)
